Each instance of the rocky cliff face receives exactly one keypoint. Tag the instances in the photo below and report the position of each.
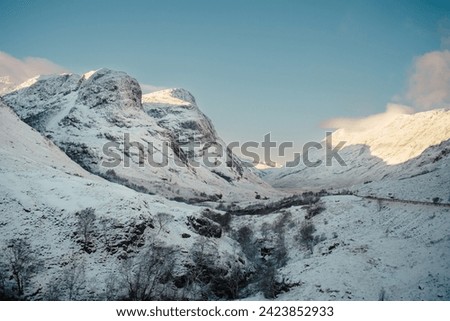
(43, 195)
(160, 143)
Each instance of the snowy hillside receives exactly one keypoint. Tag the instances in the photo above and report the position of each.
(99, 121)
(395, 157)
(42, 191)
(83, 229)
(361, 250)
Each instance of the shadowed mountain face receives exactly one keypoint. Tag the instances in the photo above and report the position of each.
(165, 146)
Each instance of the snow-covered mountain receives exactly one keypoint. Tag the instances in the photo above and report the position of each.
(398, 156)
(84, 230)
(160, 143)
(41, 192)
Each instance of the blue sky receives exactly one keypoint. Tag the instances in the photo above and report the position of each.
(253, 66)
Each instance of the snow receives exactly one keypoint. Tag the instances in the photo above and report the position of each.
(401, 249)
(102, 106)
(400, 156)
(401, 139)
(170, 97)
(393, 246)
(263, 166)
(88, 74)
(41, 190)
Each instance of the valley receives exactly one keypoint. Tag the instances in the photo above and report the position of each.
(73, 229)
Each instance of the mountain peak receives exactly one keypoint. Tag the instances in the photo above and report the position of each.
(109, 87)
(171, 97)
(404, 137)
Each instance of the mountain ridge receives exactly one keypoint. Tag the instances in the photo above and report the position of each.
(246, 244)
(82, 114)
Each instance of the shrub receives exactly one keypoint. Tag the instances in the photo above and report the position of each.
(204, 226)
(223, 219)
(314, 210)
(245, 237)
(147, 276)
(85, 226)
(436, 200)
(306, 235)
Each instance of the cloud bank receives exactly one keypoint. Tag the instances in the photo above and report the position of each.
(146, 88)
(429, 83)
(14, 71)
(428, 87)
(361, 124)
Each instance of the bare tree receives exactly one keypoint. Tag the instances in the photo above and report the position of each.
(53, 290)
(246, 239)
(22, 262)
(3, 277)
(306, 235)
(163, 219)
(67, 285)
(228, 282)
(147, 275)
(73, 279)
(85, 224)
(268, 283)
(204, 257)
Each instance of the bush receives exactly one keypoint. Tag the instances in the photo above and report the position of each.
(204, 226)
(228, 283)
(147, 276)
(306, 235)
(223, 219)
(314, 210)
(85, 226)
(245, 238)
(271, 284)
(436, 200)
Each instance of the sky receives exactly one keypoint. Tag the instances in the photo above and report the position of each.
(285, 67)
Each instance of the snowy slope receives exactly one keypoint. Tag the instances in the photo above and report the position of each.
(81, 114)
(364, 249)
(402, 138)
(41, 190)
(408, 152)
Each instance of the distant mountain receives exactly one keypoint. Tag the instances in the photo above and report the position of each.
(398, 156)
(83, 114)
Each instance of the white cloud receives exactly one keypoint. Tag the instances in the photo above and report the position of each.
(428, 88)
(364, 123)
(14, 71)
(429, 83)
(146, 88)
